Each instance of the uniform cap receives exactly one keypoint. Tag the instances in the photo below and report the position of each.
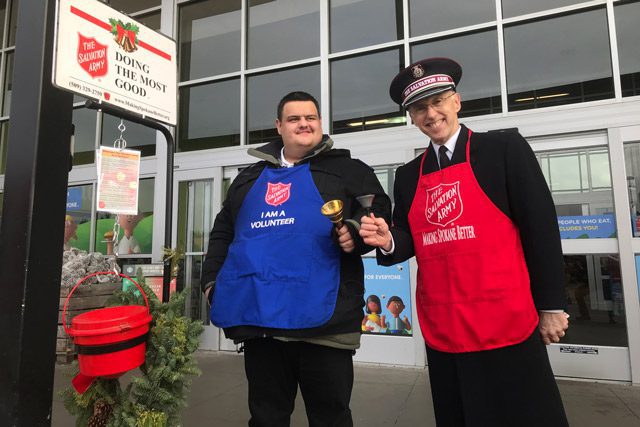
(423, 79)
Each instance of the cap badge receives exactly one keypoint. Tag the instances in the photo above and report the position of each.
(417, 71)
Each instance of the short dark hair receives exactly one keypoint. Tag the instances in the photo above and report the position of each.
(395, 298)
(296, 96)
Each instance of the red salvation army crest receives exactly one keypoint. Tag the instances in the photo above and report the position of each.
(92, 56)
(444, 204)
(277, 194)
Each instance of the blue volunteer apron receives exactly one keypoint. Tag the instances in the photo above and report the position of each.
(282, 269)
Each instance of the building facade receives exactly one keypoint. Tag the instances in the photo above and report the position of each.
(565, 73)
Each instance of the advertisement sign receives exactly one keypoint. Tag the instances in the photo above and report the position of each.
(118, 176)
(152, 274)
(587, 226)
(74, 198)
(387, 295)
(638, 270)
(105, 55)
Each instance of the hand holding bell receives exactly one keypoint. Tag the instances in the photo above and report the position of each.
(366, 201)
(333, 210)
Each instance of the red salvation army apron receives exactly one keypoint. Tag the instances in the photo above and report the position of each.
(473, 288)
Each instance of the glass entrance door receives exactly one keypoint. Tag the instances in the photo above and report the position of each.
(578, 172)
(196, 202)
(596, 344)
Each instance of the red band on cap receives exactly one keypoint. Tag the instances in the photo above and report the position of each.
(426, 83)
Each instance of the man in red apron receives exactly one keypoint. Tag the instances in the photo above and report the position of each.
(477, 214)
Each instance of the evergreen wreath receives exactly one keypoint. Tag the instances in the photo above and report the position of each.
(156, 396)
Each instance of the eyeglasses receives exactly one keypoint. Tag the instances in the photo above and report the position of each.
(436, 104)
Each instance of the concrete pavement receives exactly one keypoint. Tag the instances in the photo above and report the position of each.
(382, 396)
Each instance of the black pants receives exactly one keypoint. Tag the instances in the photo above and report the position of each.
(506, 387)
(275, 369)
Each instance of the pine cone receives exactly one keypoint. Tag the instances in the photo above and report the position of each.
(101, 413)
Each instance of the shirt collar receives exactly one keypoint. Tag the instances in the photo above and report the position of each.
(283, 161)
(451, 142)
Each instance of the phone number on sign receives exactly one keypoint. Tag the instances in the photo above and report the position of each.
(86, 89)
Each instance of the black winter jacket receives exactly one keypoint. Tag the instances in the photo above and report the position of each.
(337, 176)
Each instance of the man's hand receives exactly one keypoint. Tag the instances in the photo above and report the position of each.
(552, 326)
(375, 232)
(345, 240)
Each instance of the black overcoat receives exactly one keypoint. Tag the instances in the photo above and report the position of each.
(513, 385)
(508, 172)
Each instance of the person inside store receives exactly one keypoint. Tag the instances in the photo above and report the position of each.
(476, 212)
(286, 282)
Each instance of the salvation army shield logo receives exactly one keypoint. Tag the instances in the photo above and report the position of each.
(92, 56)
(444, 204)
(277, 194)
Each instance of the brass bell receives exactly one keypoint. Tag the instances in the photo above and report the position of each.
(333, 210)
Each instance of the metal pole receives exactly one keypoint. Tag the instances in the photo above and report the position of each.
(124, 114)
(32, 228)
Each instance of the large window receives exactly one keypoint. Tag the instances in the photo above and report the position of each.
(6, 93)
(580, 183)
(632, 168)
(559, 60)
(209, 38)
(130, 6)
(3, 13)
(138, 137)
(512, 8)
(282, 31)
(477, 54)
(386, 175)
(151, 20)
(265, 91)
(6, 70)
(84, 122)
(360, 92)
(136, 231)
(4, 139)
(209, 116)
(429, 16)
(359, 23)
(13, 24)
(77, 223)
(628, 36)
(550, 53)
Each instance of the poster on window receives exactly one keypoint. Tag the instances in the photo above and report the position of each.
(387, 295)
(118, 177)
(587, 226)
(152, 275)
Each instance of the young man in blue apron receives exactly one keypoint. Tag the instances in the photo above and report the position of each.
(476, 212)
(283, 280)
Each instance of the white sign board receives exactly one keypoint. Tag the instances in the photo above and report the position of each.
(107, 56)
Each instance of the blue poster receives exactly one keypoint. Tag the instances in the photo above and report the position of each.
(587, 226)
(638, 270)
(74, 198)
(387, 295)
